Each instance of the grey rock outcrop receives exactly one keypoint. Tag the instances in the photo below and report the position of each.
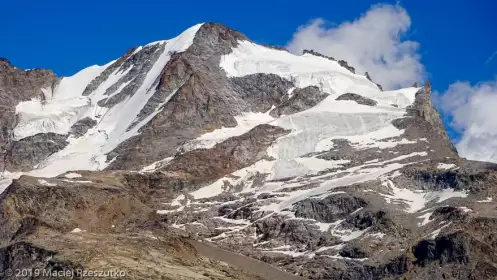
(345, 65)
(369, 78)
(82, 126)
(17, 85)
(359, 99)
(301, 99)
(342, 63)
(318, 54)
(29, 151)
(93, 85)
(429, 122)
(329, 209)
(261, 91)
(22, 85)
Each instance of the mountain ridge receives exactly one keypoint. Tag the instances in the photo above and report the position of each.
(293, 160)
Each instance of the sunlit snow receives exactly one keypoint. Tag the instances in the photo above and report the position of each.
(4, 184)
(446, 166)
(245, 122)
(417, 199)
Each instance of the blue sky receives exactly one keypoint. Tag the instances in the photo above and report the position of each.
(455, 38)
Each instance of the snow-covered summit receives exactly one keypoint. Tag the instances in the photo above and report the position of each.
(294, 159)
(116, 100)
(196, 90)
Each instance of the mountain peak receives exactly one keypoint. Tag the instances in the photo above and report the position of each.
(291, 159)
(215, 38)
(213, 27)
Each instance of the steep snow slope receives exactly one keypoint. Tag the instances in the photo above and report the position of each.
(66, 105)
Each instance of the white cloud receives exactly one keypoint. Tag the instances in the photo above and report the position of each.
(375, 43)
(472, 110)
(372, 43)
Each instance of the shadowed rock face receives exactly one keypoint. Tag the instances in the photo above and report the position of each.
(28, 151)
(107, 72)
(17, 85)
(27, 256)
(459, 254)
(448, 213)
(444, 249)
(353, 253)
(437, 180)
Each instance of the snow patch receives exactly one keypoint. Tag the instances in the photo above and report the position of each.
(446, 166)
(156, 165)
(347, 235)
(436, 232)
(46, 183)
(378, 235)
(426, 218)
(245, 122)
(4, 184)
(488, 199)
(417, 199)
(177, 201)
(78, 182)
(334, 247)
(243, 177)
(72, 175)
(338, 257)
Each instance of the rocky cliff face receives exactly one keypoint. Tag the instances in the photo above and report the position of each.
(295, 161)
(18, 85)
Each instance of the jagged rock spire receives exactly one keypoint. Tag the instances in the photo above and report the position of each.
(423, 108)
